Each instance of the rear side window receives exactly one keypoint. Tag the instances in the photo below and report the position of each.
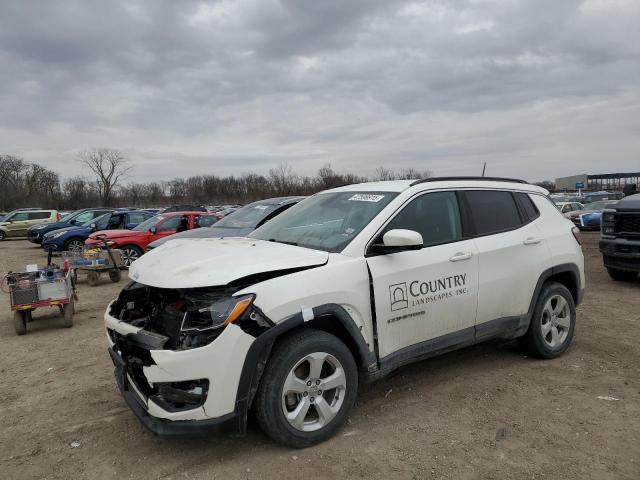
(493, 211)
(529, 210)
(137, 218)
(39, 215)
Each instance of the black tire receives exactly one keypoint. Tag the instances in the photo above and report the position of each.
(115, 275)
(289, 351)
(67, 314)
(130, 253)
(93, 278)
(622, 275)
(2, 235)
(20, 322)
(76, 243)
(534, 340)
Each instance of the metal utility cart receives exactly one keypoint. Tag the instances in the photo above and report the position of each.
(48, 287)
(94, 261)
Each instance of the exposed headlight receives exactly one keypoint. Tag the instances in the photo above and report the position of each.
(39, 227)
(218, 314)
(609, 217)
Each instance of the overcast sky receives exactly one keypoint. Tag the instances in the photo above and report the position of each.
(537, 88)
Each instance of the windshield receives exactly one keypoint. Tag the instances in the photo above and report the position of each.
(148, 223)
(246, 217)
(326, 221)
(69, 216)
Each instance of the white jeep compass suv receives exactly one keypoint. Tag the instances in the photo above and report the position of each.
(341, 289)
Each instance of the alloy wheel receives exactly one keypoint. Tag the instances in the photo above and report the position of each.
(556, 321)
(314, 392)
(129, 255)
(75, 246)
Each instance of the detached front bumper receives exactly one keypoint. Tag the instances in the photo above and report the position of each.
(163, 426)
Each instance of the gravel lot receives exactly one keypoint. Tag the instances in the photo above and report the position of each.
(484, 412)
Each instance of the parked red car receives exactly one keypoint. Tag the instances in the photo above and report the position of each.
(133, 243)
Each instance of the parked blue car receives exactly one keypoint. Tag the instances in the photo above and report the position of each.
(36, 233)
(591, 217)
(72, 238)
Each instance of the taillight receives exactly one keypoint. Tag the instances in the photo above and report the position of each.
(577, 235)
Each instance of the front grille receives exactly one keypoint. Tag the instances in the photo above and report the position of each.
(628, 224)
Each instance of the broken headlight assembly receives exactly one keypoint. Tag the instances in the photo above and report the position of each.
(202, 323)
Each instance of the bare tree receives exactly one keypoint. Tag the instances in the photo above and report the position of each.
(283, 179)
(109, 166)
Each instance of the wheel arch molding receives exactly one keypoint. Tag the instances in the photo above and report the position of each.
(567, 274)
(331, 318)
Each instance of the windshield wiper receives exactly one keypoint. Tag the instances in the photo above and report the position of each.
(283, 241)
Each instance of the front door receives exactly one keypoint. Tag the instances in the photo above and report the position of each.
(19, 224)
(425, 294)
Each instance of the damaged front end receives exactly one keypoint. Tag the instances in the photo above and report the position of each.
(184, 319)
(147, 327)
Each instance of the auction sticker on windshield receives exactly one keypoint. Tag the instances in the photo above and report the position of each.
(363, 197)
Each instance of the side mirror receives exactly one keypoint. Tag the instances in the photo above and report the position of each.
(93, 227)
(398, 240)
(153, 230)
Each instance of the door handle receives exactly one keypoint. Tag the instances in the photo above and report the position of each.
(532, 241)
(460, 256)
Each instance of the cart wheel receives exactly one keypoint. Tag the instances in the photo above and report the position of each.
(115, 275)
(67, 313)
(20, 322)
(28, 316)
(93, 278)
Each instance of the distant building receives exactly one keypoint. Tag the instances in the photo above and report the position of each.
(604, 181)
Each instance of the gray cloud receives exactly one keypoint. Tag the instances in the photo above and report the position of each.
(537, 88)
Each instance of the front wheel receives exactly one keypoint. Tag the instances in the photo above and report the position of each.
(553, 324)
(20, 322)
(2, 235)
(130, 254)
(67, 314)
(622, 275)
(74, 245)
(308, 389)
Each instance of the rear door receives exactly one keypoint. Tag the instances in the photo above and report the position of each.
(512, 255)
(425, 294)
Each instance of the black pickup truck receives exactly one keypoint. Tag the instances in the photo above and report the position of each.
(620, 241)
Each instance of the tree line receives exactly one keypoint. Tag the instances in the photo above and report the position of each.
(107, 183)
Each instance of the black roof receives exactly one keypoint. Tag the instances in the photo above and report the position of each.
(448, 179)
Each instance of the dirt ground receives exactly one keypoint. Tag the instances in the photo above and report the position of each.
(483, 412)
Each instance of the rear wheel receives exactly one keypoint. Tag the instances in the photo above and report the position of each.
(67, 314)
(130, 254)
(93, 278)
(553, 324)
(74, 245)
(20, 322)
(308, 389)
(622, 275)
(115, 275)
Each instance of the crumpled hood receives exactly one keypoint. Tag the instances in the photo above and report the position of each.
(208, 262)
(204, 232)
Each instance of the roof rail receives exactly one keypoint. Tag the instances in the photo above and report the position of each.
(448, 179)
